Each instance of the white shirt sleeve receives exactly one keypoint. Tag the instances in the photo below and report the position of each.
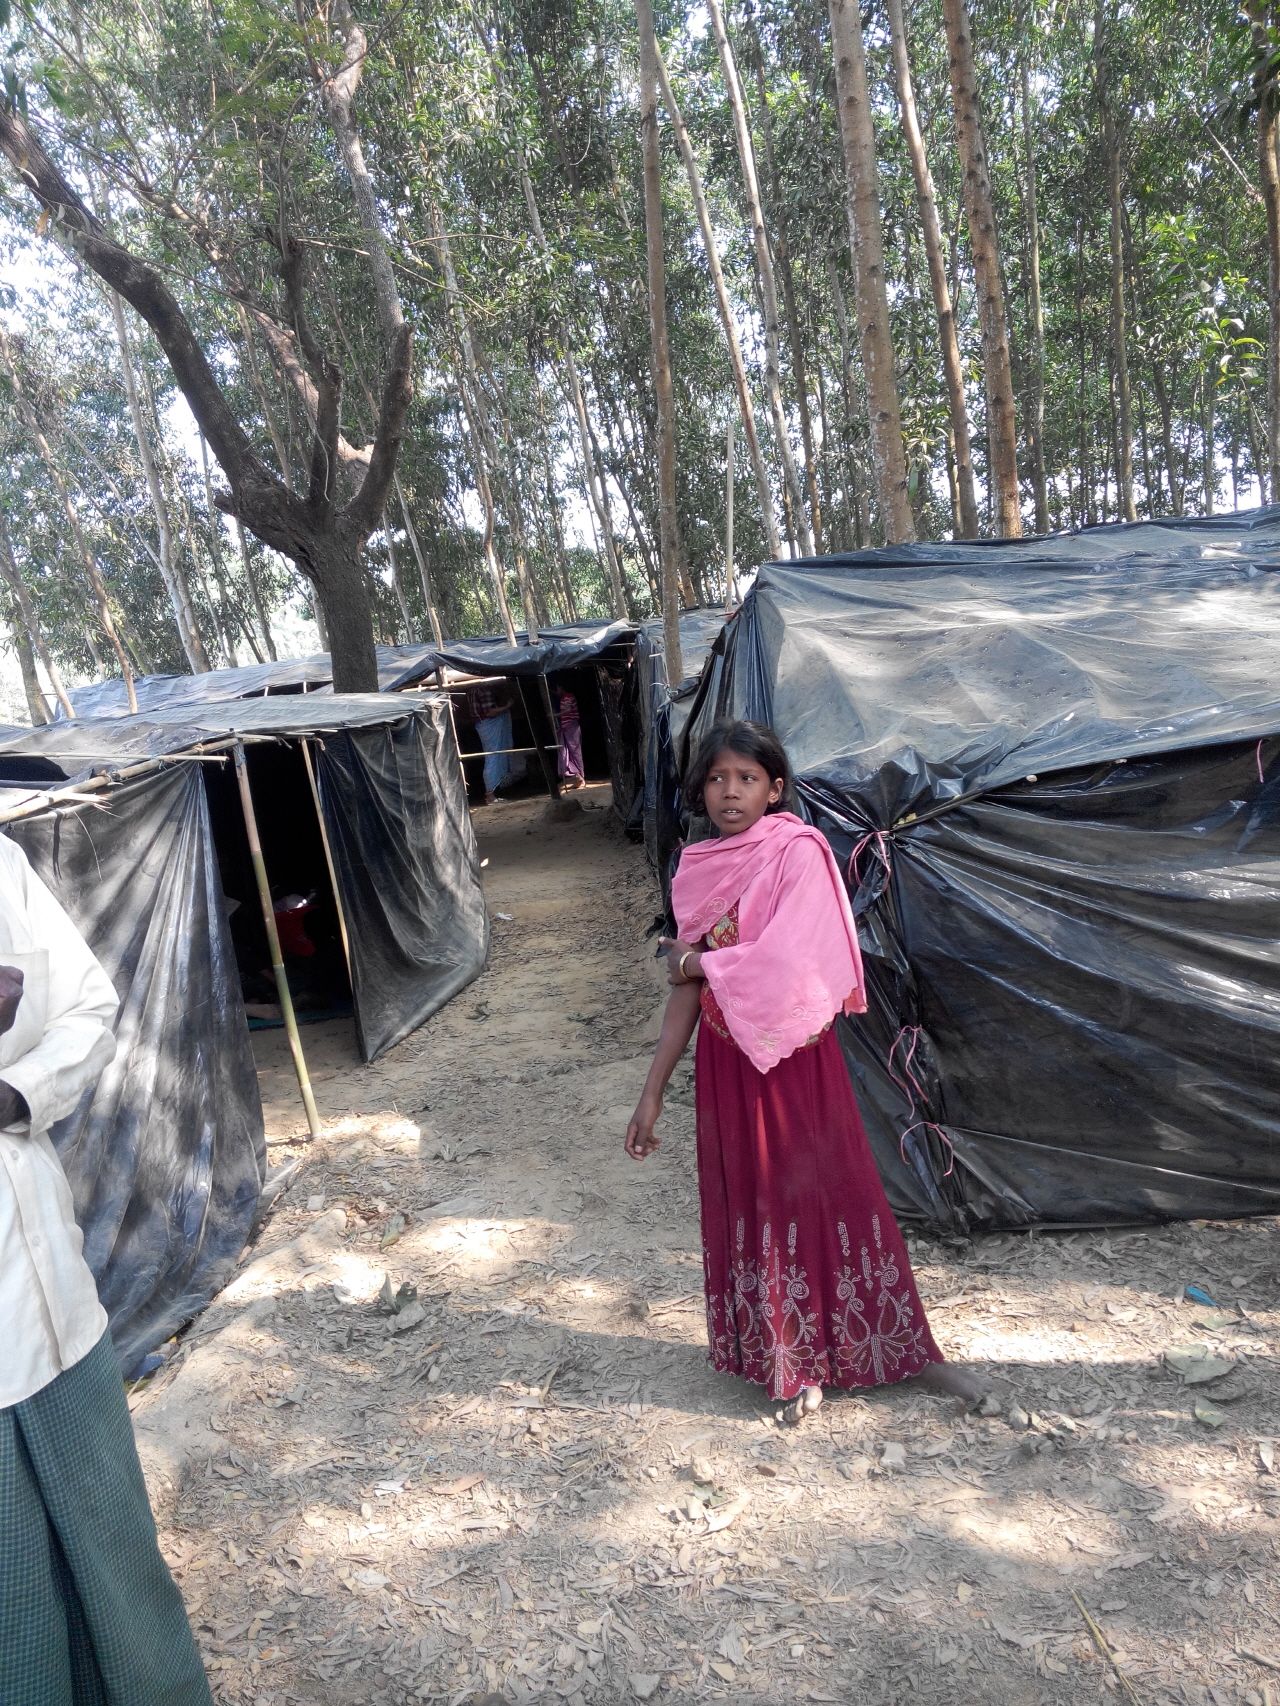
(77, 1042)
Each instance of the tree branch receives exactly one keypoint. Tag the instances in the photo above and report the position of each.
(326, 378)
(143, 289)
(365, 509)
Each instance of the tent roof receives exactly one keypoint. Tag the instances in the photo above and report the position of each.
(699, 630)
(399, 667)
(913, 675)
(79, 748)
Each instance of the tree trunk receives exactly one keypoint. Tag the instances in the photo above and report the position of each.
(1210, 471)
(36, 708)
(764, 269)
(782, 260)
(232, 610)
(338, 572)
(661, 355)
(30, 620)
(397, 586)
(597, 490)
(746, 408)
(424, 572)
(1269, 176)
(1119, 335)
(981, 215)
(1036, 315)
(888, 456)
(174, 580)
(468, 379)
(337, 95)
(88, 562)
(960, 463)
(255, 591)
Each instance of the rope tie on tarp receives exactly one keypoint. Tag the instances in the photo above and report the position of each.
(1258, 755)
(913, 1090)
(878, 840)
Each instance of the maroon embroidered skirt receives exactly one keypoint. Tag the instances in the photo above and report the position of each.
(808, 1282)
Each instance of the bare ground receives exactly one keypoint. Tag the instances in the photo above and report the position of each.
(536, 1488)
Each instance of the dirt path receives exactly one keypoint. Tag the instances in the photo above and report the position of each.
(538, 1488)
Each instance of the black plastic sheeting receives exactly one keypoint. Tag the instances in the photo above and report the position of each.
(289, 675)
(395, 810)
(663, 713)
(1051, 769)
(399, 668)
(408, 871)
(165, 1154)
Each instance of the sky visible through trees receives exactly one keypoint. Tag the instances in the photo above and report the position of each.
(346, 312)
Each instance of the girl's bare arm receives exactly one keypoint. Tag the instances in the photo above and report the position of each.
(677, 1027)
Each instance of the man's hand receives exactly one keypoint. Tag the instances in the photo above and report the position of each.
(11, 981)
(641, 1139)
(13, 1107)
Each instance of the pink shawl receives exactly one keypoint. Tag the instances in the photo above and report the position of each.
(797, 962)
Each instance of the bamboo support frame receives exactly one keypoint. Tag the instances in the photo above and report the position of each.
(328, 859)
(273, 938)
(549, 772)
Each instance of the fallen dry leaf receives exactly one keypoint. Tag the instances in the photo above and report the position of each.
(464, 1484)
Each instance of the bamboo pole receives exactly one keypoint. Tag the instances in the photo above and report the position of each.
(549, 771)
(273, 938)
(328, 859)
(672, 551)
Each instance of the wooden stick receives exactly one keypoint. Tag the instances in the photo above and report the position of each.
(80, 793)
(273, 938)
(1100, 1641)
(328, 859)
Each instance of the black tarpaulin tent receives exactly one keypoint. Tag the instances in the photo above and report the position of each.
(566, 646)
(166, 1156)
(289, 675)
(1051, 769)
(591, 658)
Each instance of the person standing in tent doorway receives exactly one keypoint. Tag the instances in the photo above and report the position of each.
(89, 1613)
(571, 770)
(807, 1278)
(489, 703)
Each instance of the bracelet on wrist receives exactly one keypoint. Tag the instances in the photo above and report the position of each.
(681, 964)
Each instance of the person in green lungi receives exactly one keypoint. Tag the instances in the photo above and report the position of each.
(89, 1614)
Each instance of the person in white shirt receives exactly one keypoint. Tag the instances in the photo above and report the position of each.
(89, 1614)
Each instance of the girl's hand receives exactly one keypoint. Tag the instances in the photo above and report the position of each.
(676, 950)
(641, 1139)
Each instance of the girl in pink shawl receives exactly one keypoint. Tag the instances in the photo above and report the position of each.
(807, 1278)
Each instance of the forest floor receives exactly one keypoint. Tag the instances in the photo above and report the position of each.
(528, 1482)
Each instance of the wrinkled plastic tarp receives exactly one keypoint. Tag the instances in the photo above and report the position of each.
(663, 714)
(165, 1154)
(399, 668)
(1051, 769)
(82, 748)
(395, 808)
(564, 646)
(290, 675)
(408, 871)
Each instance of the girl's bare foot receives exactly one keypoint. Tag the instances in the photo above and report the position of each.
(946, 1377)
(804, 1404)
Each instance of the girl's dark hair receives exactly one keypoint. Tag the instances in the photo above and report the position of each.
(752, 740)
